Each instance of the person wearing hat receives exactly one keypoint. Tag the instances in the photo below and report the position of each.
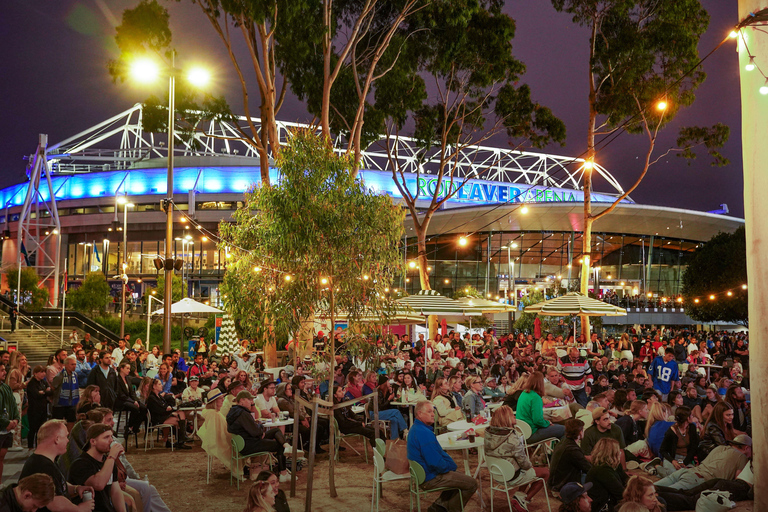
(575, 498)
(602, 427)
(724, 462)
(240, 422)
(193, 391)
(94, 470)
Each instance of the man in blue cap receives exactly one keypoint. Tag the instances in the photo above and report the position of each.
(575, 498)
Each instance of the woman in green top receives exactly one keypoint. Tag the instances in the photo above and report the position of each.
(530, 409)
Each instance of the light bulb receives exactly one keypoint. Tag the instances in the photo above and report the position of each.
(462, 241)
(145, 71)
(764, 88)
(733, 34)
(588, 165)
(750, 65)
(412, 264)
(199, 77)
(661, 105)
(524, 210)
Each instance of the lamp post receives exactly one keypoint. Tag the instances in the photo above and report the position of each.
(124, 277)
(146, 70)
(149, 312)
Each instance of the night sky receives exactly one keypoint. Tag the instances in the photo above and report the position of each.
(54, 81)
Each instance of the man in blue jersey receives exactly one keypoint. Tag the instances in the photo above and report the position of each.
(664, 372)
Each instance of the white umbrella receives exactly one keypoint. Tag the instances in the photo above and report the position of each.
(187, 305)
(574, 303)
(486, 306)
(430, 302)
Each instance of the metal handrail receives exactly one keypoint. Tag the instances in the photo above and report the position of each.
(32, 324)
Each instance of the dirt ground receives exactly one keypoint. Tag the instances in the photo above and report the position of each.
(180, 479)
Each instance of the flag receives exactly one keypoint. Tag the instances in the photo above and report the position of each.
(96, 252)
(65, 281)
(24, 252)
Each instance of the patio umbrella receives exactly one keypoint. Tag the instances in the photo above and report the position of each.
(430, 302)
(187, 305)
(574, 303)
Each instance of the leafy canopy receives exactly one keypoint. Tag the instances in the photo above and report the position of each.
(92, 295)
(717, 267)
(316, 223)
(33, 297)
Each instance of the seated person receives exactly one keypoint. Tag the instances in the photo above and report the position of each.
(286, 403)
(31, 493)
(568, 463)
(93, 470)
(530, 409)
(348, 422)
(502, 441)
(51, 443)
(575, 498)
(601, 428)
(439, 467)
(161, 412)
(607, 477)
(448, 410)
(723, 462)
(680, 445)
(240, 422)
(491, 389)
(640, 491)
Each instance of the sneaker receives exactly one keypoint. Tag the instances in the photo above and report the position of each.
(519, 502)
(15, 449)
(633, 465)
(651, 464)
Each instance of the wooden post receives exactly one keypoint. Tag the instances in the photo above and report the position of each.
(310, 476)
(754, 126)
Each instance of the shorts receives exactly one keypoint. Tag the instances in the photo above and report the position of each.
(64, 413)
(6, 441)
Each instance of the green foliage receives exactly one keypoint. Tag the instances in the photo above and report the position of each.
(716, 267)
(33, 298)
(467, 291)
(138, 329)
(92, 295)
(178, 288)
(317, 222)
(525, 321)
(712, 138)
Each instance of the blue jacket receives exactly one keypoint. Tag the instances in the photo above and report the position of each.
(82, 370)
(424, 449)
(656, 435)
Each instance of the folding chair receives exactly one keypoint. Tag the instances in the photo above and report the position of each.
(417, 478)
(547, 445)
(343, 437)
(381, 475)
(156, 428)
(503, 472)
(238, 443)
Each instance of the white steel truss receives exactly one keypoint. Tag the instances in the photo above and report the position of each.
(89, 151)
(39, 234)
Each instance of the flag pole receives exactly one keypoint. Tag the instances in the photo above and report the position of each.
(63, 300)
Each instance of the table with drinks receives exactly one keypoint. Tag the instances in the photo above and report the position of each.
(464, 442)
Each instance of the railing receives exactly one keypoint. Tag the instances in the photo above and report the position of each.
(34, 325)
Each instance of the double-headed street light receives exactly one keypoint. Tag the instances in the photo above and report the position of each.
(147, 71)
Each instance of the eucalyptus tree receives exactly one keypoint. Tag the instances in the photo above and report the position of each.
(643, 68)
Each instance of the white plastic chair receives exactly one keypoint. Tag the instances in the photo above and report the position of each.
(380, 475)
(545, 444)
(502, 479)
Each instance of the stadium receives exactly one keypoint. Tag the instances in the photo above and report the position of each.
(521, 216)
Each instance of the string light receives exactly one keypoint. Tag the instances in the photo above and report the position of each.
(462, 241)
(661, 105)
(743, 287)
(751, 64)
(324, 281)
(711, 297)
(412, 264)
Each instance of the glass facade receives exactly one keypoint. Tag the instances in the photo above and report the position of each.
(628, 265)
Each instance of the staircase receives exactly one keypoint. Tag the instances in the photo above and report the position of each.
(37, 345)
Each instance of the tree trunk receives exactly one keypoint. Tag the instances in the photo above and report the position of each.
(754, 125)
(332, 361)
(421, 244)
(270, 347)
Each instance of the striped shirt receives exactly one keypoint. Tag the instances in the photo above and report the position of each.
(576, 373)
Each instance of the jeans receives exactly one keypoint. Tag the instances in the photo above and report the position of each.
(553, 430)
(266, 445)
(580, 396)
(681, 479)
(464, 485)
(149, 495)
(396, 422)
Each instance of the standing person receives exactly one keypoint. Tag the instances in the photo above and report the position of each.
(530, 409)
(664, 372)
(104, 376)
(17, 381)
(52, 443)
(503, 442)
(58, 364)
(439, 467)
(576, 373)
(9, 417)
(94, 470)
(14, 316)
(66, 393)
(83, 368)
(119, 353)
(38, 392)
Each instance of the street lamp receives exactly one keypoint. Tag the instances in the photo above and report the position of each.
(511, 270)
(124, 277)
(145, 70)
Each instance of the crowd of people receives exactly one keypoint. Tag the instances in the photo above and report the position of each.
(638, 403)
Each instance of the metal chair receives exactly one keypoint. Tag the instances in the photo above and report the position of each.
(339, 437)
(381, 447)
(156, 428)
(381, 475)
(238, 443)
(386, 425)
(545, 444)
(417, 478)
(503, 472)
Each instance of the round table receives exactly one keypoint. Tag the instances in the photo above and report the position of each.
(410, 405)
(449, 441)
(461, 426)
(277, 423)
(195, 413)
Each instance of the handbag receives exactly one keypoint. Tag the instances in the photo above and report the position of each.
(714, 501)
(396, 459)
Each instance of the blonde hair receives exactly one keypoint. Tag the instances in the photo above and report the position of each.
(504, 416)
(436, 389)
(469, 381)
(256, 497)
(49, 428)
(658, 412)
(624, 343)
(606, 452)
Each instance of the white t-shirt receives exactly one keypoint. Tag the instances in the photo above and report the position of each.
(190, 394)
(442, 348)
(117, 356)
(747, 475)
(264, 405)
(452, 361)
